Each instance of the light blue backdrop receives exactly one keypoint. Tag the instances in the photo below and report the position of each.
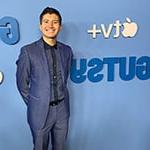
(105, 115)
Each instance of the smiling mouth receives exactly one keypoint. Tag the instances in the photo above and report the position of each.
(50, 30)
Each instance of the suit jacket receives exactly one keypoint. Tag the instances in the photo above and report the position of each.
(33, 80)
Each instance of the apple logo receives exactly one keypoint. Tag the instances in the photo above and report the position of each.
(1, 77)
(130, 28)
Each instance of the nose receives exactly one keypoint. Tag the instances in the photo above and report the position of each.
(51, 23)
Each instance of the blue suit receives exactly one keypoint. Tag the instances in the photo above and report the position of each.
(33, 82)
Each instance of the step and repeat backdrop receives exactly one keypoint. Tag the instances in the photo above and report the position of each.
(110, 75)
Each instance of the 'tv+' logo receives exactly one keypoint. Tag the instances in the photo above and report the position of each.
(129, 29)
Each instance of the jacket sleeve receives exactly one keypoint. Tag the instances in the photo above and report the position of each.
(23, 74)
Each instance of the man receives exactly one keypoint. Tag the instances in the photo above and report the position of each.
(42, 71)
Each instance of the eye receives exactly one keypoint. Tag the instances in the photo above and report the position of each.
(45, 21)
(55, 21)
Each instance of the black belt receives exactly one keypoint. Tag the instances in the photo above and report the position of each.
(54, 103)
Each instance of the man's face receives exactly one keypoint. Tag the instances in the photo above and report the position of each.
(50, 26)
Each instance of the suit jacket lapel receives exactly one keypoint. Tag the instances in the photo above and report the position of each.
(61, 59)
(42, 55)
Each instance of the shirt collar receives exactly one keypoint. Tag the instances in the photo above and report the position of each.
(47, 46)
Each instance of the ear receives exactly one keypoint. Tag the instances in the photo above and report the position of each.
(40, 27)
(60, 28)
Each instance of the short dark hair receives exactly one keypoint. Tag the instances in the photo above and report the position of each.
(50, 10)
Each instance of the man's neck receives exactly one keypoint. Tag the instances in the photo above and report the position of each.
(50, 42)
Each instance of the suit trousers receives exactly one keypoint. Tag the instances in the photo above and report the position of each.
(53, 135)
